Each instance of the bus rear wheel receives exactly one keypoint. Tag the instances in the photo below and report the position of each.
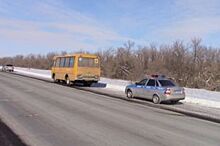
(67, 81)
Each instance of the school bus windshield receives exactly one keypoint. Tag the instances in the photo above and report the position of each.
(88, 62)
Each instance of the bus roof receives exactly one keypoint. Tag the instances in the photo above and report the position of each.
(78, 55)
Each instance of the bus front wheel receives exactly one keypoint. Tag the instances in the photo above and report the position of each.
(54, 78)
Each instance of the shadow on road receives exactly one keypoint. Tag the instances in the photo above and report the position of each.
(99, 85)
(8, 138)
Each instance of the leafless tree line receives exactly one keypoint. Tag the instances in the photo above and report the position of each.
(191, 65)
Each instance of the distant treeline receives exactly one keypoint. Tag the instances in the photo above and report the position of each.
(189, 64)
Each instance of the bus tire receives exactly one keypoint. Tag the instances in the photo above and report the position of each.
(54, 78)
(67, 80)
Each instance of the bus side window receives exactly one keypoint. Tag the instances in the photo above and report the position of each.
(57, 62)
(71, 64)
(62, 62)
(67, 62)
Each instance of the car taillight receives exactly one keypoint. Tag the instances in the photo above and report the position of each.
(167, 91)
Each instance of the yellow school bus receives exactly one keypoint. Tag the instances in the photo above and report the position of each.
(83, 68)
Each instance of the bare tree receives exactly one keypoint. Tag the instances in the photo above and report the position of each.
(191, 65)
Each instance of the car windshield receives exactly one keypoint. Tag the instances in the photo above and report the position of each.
(166, 83)
(9, 65)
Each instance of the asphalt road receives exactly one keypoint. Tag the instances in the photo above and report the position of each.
(47, 114)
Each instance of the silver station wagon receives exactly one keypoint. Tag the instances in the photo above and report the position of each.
(157, 88)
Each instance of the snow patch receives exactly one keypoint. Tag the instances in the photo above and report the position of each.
(196, 96)
(115, 84)
(34, 72)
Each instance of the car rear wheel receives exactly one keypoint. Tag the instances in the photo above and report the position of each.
(129, 94)
(156, 99)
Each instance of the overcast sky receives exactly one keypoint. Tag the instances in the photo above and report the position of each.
(41, 26)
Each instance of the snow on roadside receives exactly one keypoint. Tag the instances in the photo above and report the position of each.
(203, 97)
(34, 72)
(115, 84)
(196, 96)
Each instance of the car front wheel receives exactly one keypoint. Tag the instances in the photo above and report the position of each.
(129, 94)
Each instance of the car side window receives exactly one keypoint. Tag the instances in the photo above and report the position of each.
(151, 83)
(157, 84)
(143, 82)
